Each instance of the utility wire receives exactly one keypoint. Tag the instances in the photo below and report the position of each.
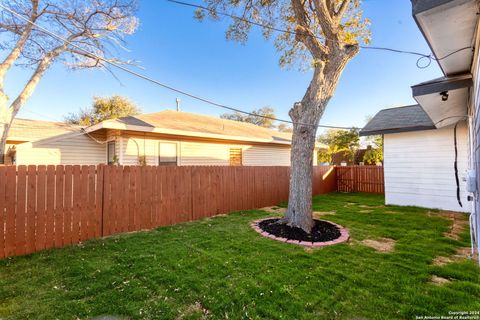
(185, 93)
(422, 56)
(75, 127)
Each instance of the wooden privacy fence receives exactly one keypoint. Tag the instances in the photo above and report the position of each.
(54, 206)
(360, 179)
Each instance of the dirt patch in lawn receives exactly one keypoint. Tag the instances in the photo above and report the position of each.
(318, 214)
(365, 211)
(278, 210)
(436, 280)
(441, 261)
(459, 222)
(194, 309)
(370, 207)
(350, 204)
(462, 253)
(274, 209)
(457, 227)
(381, 245)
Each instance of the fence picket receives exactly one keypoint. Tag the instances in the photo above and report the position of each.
(76, 212)
(68, 203)
(58, 217)
(3, 203)
(98, 223)
(10, 197)
(31, 206)
(20, 210)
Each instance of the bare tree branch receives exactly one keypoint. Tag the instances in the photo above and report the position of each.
(17, 49)
(328, 25)
(95, 27)
(304, 33)
(343, 8)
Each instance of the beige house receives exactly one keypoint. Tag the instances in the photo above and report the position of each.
(162, 138)
(26, 130)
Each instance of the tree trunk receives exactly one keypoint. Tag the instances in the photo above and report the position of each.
(299, 213)
(3, 140)
(306, 116)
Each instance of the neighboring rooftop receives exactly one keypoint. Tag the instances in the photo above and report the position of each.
(24, 130)
(190, 124)
(400, 119)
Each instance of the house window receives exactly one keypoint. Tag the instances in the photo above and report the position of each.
(111, 152)
(167, 154)
(235, 156)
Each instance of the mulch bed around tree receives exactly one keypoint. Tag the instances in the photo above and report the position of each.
(323, 233)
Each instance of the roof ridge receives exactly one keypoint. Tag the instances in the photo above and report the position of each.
(407, 106)
(243, 123)
(41, 120)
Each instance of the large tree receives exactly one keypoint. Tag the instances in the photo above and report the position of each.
(95, 28)
(104, 108)
(325, 32)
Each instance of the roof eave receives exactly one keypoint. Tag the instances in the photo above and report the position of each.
(113, 125)
(464, 81)
(423, 7)
(395, 130)
(444, 112)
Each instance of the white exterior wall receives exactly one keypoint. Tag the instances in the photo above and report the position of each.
(71, 149)
(419, 168)
(190, 153)
(474, 131)
(78, 148)
(208, 154)
(266, 156)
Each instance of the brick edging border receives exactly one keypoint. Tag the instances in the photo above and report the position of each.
(344, 236)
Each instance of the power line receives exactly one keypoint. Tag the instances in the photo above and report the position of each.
(422, 56)
(185, 93)
(71, 125)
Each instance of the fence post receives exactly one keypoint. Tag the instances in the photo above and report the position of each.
(100, 201)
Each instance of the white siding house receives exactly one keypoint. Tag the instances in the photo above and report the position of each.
(71, 148)
(419, 168)
(452, 30)
(419, 160)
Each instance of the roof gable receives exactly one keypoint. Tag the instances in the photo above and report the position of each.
(400, 119)
(29, 130)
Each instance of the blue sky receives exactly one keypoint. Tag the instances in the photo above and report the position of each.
(174, 48)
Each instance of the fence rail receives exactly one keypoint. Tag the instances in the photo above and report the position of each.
(54, 206)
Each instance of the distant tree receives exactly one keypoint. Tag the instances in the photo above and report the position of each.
(283, 127)
(266, 120)
(103, 108)
(93, 27)
(341, 140)
(375, 154)
(325, 155)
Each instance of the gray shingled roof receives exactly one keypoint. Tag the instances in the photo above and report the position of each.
(401, 119)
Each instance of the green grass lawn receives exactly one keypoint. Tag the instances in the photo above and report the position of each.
(220, 268)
